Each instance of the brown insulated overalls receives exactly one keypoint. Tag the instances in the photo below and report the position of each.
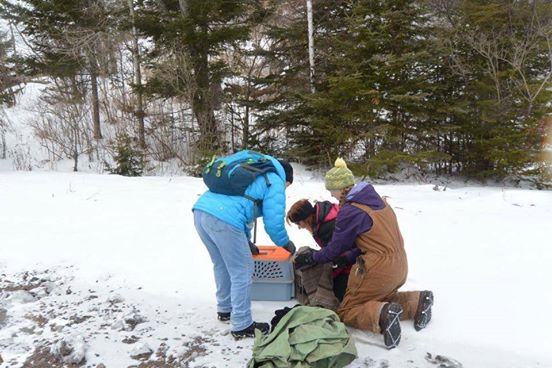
(379, 272)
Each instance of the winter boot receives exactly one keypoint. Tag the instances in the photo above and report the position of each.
(250, 331)
(223, 316)
(390, 325)
(423, 312)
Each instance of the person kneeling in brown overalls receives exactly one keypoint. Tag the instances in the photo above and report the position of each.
(372, 300)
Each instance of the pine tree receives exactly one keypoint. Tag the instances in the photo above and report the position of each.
(128, 157)
(284, 116)
(8, 80)
(371, 82)
(190, 35)
(8, 77)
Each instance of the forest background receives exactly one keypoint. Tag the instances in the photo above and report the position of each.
(457, 88)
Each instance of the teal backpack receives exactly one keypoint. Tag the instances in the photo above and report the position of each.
(231, 175)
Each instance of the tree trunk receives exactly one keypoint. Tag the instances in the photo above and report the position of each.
(206, 120)
(122, 76)
(95, 98)
(12, 40)
(3, 145)
(183, 7)
(75, 161)
(202, 102)
(232, 140)
(311, 44)
(139, 111)
(245, 136)
(75, 146)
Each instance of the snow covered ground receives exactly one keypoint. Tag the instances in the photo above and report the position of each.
(110, 268)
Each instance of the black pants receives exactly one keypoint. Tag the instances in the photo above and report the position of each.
(340, 285)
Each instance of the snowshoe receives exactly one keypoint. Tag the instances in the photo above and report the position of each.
(423, 312)
(390, 325)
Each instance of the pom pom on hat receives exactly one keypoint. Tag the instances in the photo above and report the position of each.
(340, 163)
(339, 177)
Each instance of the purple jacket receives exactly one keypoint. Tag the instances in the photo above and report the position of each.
(351, 222)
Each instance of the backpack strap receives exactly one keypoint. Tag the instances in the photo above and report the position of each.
(256, 202)
(219, 168)
(252, 168)
(210, 164)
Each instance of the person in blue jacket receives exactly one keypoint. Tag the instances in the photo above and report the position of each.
(224, 225)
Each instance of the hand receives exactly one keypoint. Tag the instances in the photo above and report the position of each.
(304, 259)
(290, 247)
(254, 249)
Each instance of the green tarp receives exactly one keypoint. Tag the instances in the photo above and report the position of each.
(305, 337)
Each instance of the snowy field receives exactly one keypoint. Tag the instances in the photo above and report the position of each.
(110, 269)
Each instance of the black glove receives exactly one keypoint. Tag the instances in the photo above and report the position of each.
(253, 248)
(342, 261)
(304, 259)
(290, 247)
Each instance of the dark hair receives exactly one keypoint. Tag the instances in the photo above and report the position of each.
(301, 210)
(288, 170)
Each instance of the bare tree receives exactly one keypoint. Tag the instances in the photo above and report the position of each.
(526, 35)
(173, 126)
(62, 124)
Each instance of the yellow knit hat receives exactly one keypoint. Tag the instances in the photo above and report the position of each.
(339, 177)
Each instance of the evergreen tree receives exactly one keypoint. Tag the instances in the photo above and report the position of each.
(129, 158)
(501, 50)
(9, 80)
(372, 65)
(191, 35)
(8, 77)
(284, 124)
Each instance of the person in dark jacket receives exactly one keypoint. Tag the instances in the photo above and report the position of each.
(319, 220)
(372, 300)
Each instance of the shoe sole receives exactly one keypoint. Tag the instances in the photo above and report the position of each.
(392, 333)
(423, 313)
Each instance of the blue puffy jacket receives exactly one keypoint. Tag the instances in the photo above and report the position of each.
(240, 212)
